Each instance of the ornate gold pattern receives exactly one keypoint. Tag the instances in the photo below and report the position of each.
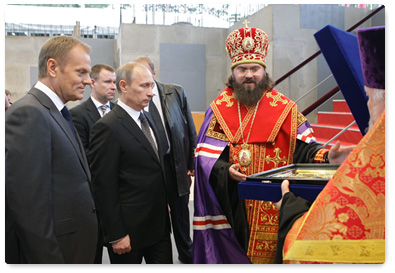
(346, 223)
(262, 42)
(247, 45)
(281, 119)
(276, 98)
(338, 251)
(276, 159)
(262, 216)
(211, 132)
(225, 98)
(301, 119)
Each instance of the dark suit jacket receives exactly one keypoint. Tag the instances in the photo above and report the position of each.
(50, 215)
(127, 180)
(84, 116)
(182, 132)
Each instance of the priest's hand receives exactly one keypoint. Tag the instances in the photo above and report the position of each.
(122, 246)
(235, 174)
(284, 190)
(337, 154)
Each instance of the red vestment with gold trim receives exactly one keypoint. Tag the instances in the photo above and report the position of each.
(272, 144)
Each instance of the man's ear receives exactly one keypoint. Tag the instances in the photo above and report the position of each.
(52, 67)
(122, 85)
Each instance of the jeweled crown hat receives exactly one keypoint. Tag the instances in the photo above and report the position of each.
(247, 45)
(372, 52)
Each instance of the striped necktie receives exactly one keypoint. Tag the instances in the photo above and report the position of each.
(103, 109)
(147, 132)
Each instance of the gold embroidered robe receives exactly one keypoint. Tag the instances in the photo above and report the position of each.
(271, 143)
(346, 223)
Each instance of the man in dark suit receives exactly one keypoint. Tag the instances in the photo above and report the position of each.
(128, 180)
(170, 111)
(50, 213)
(88, 112)
(98, 104)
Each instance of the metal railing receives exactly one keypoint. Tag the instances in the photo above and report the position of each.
(336, 89)
(37, 30)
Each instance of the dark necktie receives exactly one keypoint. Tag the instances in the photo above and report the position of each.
(159, 125)
(67, 116)
(147, 132)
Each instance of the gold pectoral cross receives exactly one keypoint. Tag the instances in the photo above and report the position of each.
(277, 159)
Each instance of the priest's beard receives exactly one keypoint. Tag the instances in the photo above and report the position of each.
(249, 96)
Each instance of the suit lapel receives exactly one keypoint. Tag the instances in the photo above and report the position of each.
(57, 116)
(132, 127)
(93, 113)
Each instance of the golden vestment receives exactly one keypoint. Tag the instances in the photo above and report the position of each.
(346, 223)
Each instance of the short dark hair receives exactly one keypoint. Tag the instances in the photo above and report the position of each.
(96, 69)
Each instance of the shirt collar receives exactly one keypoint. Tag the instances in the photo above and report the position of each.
(51, 94)
(98, 103)
(133, 113)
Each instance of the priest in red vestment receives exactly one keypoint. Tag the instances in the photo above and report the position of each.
(346, 222)
(249, 128)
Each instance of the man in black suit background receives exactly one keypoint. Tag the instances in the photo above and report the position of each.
(98, 104)
(128, 180)
(50, 213)
(170, 111)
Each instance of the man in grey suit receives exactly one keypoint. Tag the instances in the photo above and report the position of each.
(50, 213)
(98, 104)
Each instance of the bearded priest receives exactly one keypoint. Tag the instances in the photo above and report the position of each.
(249, 128)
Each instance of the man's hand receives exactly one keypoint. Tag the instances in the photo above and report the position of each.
(284, 190)
(190, 173)
(235, 174)
(122, 246)
(337, 154)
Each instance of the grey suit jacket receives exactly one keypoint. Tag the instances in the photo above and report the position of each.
(50, 213)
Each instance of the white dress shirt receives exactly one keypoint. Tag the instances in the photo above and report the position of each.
(51, 94)
(135, 116)
(98, 105)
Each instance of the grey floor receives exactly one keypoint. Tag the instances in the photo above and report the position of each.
(106, 259)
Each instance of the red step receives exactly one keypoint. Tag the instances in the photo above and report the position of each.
(340, 106)
(329, 124)
(324, 133)
(336, 119)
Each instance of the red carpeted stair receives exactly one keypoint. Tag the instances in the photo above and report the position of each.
(331, 123)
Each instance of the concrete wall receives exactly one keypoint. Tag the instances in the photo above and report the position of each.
(21, 62)
(145, 40)
(290, 29)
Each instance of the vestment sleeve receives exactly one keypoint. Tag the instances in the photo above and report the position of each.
(292, 208)
(312, 152)
(226, 191)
